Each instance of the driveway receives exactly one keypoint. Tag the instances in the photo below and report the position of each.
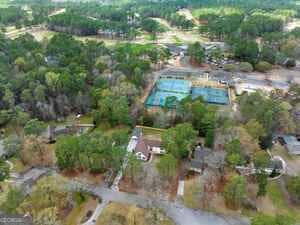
(180, 214)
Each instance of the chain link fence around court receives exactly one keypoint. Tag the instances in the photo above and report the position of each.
(165, 88)
(180, 89)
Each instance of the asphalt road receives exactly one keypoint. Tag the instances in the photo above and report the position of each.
(180, 214)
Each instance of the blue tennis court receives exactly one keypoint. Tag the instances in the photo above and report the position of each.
(211, 95)
(165, 88)
(158, 98)
(174, 85)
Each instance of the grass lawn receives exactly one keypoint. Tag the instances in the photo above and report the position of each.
(124, 214)
(78, 213)
(191, 192)
(150, 131)
(86, 119)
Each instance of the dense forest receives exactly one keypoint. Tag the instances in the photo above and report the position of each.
(50, 81)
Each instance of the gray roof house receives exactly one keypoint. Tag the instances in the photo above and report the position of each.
(291, 143)
(198, 161)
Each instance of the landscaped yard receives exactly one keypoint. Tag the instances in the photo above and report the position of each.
(152, 133)
(124, 214)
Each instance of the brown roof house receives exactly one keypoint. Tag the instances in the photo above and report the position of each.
(143, 148)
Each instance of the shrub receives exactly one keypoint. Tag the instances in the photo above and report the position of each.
(246, 67)
(230, 67)
(263, 66)
(79, 197)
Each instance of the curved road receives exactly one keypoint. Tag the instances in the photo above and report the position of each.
(180, 214)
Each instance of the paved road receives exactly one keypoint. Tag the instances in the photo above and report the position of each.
(180, 214)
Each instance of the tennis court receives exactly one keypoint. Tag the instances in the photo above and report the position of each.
(174, 85)
(158, 98)
(211, 95)
(165, 88)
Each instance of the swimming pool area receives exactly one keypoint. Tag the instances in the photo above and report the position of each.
(180, 89)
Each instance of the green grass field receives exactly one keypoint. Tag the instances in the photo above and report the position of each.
(4, 3)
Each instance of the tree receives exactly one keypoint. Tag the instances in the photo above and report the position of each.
(263, 66)
(266, 113)
(4, 170)
(134, 167)
(262, 179)
(12, 145)
(5, 116)
(209, 138)
(234, 155)
(19, 118)
(120, 137)
(196, 52)
(246, 50)
(261, 160)
(230, 67)
(167, 166)
(50, 193)
(235, 191)
(34, 127)
(246, 67)
(13, 199)
(255, 129)
(151, 26)
(170, 102)
(66, 149)
(34, 151)
(9, 98)
(179, 140)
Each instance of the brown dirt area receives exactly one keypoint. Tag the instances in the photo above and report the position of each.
(124, 214)
(84, 176)
(78, 213)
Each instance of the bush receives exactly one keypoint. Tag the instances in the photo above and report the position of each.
(230, 67)
(79, 197)
(246, 67)
(263, 66)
